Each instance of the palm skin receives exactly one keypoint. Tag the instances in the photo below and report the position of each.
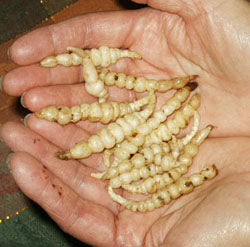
(183, 37)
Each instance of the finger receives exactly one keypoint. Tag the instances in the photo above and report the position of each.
(87, 127)
(65, 137)
(22, 79)
(19, 80)
(73, 173)
(69, 95)
(74, 215)
(91, 30)
(37, 98)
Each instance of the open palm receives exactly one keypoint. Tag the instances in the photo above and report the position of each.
(182, 38)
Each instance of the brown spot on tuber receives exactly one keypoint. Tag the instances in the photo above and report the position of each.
(188, 184)
(160, 198)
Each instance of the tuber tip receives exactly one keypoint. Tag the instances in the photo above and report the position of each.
(211, 126)
(38, 114)
(63, 155)
(193, 77)
(193, 85)
(49, 62)
(215, 168)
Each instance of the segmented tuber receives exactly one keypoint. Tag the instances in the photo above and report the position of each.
(170, 168)
(108, 136)
(141, 146)
(96, 112)
(164, 196)
(104, 56)
(142, 84)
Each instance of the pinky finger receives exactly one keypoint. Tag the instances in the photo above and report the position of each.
(74, 215)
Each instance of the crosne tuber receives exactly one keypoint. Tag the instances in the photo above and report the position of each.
(142, 84)
(96, 112)
(169, 193)
(108, 136)
(141, 146)
(103, 56)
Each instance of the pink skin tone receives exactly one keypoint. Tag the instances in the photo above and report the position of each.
(208, 38)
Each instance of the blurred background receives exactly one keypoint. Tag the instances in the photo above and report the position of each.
(22, 222)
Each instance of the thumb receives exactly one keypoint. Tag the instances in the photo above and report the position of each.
(183, 8)
(191, 9)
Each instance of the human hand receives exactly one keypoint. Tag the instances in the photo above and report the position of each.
(79, 203)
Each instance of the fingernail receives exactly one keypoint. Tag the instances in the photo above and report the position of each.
(8, 53)
(1, 82)
(26, 119)
(8, 160)
(22, 101)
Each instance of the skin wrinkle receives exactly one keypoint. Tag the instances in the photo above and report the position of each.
(56, 40)
(176, 8)
(166, 212)
(167, 216)
(191, 48)
(171, 48)
(56, 204)
(52, 38)
(77, 178)
(215, 9)
(230, 227)
(189, 22)
(166, 35)
(80, 75)
(220, 65)
(205, 149)
(183, 218)
(77, 172)
(229, 182)
(53, 74)
(98, 163)
(71, 140)
(116, 219)
(145, 58)
(157, 242)
(43, 157)
(50, 77)
(88, 32)
(145, 238)
(128, 39)
(45, 190)
(172, 214)
(75, 212)
(188, 201)
(83, 216)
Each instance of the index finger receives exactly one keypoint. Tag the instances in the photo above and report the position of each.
(90, 30)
